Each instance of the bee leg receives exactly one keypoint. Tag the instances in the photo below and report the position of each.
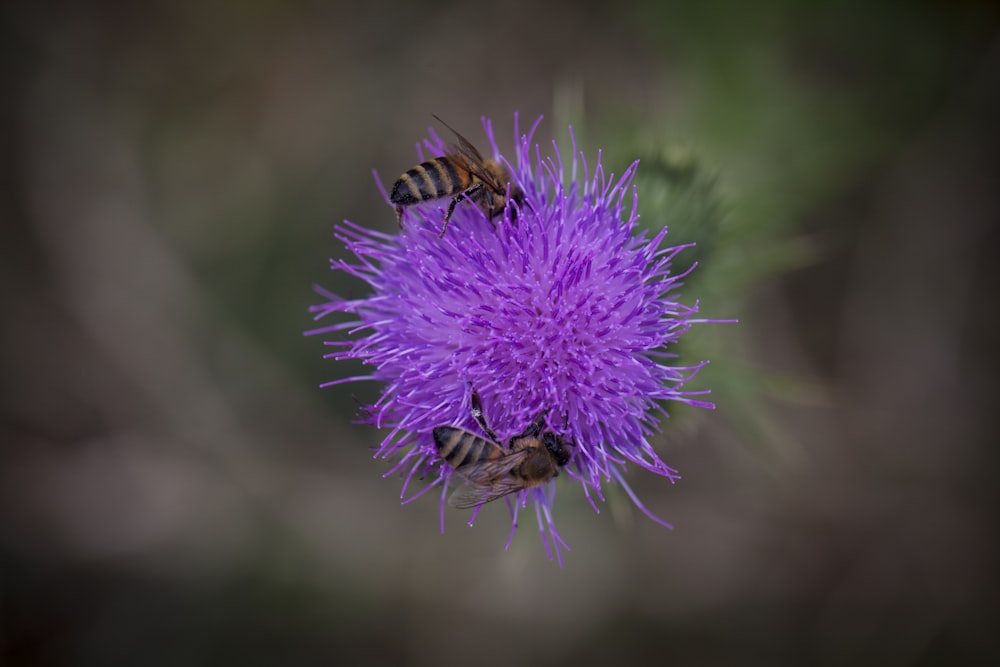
(535, 427)
(399, 216)
(467, 194)
(491, 210)
(473, 191)
(447, 215)
(480, 417)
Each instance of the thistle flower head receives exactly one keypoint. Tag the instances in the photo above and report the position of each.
(560, 306)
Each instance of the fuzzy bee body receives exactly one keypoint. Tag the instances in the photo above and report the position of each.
(433, 179)
(488, 469)
(461, 448)
(462, 173)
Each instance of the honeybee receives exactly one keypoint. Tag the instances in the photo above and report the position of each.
(488, 469)
(462, 172)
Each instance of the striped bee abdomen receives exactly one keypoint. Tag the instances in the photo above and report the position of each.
(461, 448)
(432, 179)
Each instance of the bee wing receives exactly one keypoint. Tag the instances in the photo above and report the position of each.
(484, 473)
(464, 147)
(470, 495)
(487, 480)
(490, 179)
(473, 159)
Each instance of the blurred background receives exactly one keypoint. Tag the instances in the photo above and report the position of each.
(176, 490)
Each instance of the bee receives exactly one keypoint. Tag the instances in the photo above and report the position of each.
(490, 470)
(462, 173)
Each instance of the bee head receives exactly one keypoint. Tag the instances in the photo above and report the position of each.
(559, 447)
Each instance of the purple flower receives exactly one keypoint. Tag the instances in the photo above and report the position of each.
(562, 307)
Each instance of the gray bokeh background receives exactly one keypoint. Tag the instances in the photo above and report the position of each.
(176, 490)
